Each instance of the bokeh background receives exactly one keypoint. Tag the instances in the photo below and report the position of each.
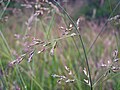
(42, 32)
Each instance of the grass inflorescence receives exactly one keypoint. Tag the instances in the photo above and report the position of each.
(45, 49)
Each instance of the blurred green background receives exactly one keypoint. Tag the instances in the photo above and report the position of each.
(37, 74)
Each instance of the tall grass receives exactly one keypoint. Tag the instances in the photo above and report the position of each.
(41, 58)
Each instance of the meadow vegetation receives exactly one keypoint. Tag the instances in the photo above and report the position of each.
(43, 47)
